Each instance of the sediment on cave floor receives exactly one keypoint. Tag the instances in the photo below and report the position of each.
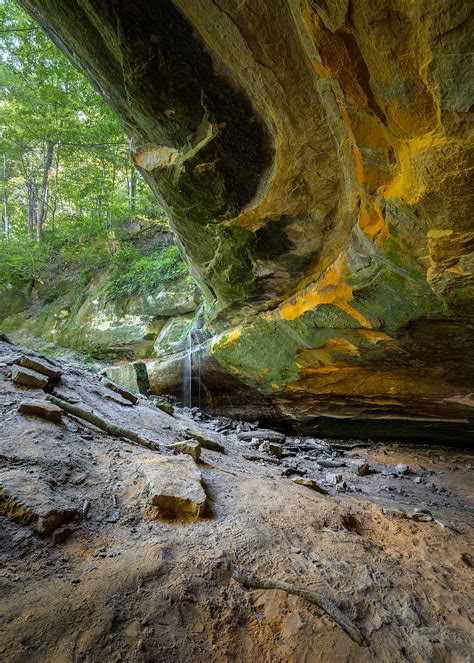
(138, 530)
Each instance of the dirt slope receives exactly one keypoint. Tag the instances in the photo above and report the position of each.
(127, 585)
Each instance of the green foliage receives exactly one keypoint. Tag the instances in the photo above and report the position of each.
(132, 272)
(22, 262)
(100, 215)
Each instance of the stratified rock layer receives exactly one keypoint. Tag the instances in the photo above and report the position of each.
(315, 158)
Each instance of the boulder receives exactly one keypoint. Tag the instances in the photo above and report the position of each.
(189, 447)
(174, 486)
(29, 500)
(28, 377)
(41, 366)
(40, 408)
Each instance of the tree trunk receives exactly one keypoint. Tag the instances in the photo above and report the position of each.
(30, 183)
(43, 202)
(133, 189)
(6, 220)
(55, 193)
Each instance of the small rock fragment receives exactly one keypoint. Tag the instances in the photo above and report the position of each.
(360, 467)
(401, 468)
(189, 447)
(41, 408)
(30, 378)
(333, 478)
(309, 483)
(276, 449)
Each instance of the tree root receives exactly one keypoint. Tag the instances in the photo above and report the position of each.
(96, 420)
(322, 601)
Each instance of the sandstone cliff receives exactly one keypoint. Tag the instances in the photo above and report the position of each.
(315, 159)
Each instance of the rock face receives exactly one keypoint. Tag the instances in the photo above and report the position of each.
(315, 159)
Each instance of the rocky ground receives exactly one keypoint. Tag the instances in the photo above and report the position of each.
(115, 549)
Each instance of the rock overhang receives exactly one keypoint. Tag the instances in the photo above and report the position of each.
(316, 163)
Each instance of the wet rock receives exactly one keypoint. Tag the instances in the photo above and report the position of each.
(41, 366)
(190, 447)
(360, 467)
(309, 483)
(333, 478)
(28, 377)
(174, 486)
(262, 434)
(40, 408)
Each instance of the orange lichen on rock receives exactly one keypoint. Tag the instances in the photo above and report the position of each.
(372, 222)
(330, 289)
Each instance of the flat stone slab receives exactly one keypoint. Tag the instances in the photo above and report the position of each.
(189, 447)
(262, 434)
(28, 377)
(174, 486)
(41, 408)
(28, 500)
(41, 366)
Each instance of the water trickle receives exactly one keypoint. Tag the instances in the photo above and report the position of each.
(188, 372)
(192, 366)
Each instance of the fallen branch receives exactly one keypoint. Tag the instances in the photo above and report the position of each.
(322, 601)
(96, 420)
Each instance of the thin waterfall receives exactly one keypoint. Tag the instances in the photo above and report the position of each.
(188, 372)
(192, 365)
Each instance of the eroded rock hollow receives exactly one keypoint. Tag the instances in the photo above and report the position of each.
(315, 160)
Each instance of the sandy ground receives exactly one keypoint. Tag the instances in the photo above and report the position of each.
(128, 585)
